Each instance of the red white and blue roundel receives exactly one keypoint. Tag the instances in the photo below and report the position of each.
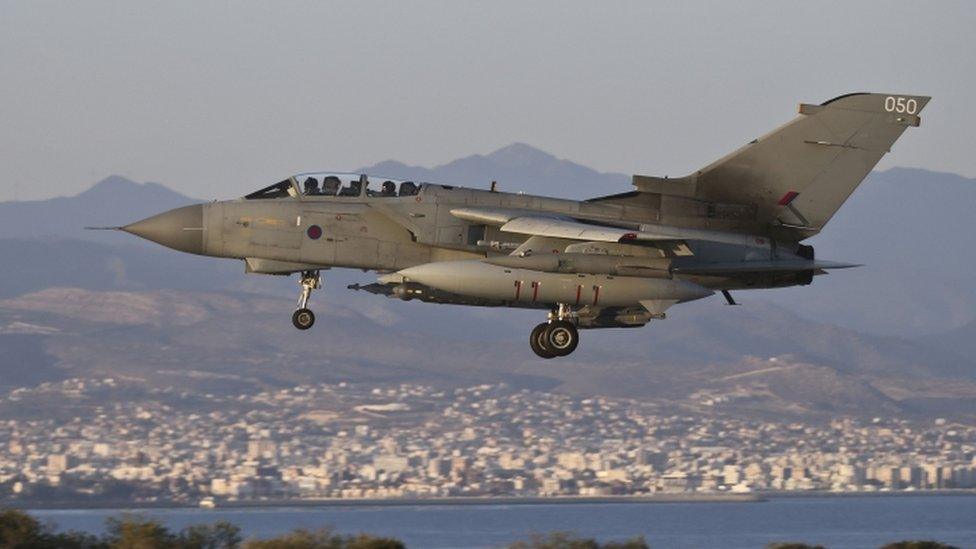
(314, 232)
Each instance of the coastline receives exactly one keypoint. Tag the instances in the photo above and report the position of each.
(398, 502)
(753, 497)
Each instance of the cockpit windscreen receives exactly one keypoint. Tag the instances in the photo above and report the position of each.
(282, 189)
(352, 185)
(337, 184)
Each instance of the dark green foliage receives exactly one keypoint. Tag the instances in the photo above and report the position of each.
(324, 538)
(137, 532)
(568, 540)
(633, 543)
(18, 530)
(219, 535)
(366, 541)
(918, 544)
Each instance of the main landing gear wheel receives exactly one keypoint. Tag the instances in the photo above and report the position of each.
(538, 343)
(303, 319)
(560, 337)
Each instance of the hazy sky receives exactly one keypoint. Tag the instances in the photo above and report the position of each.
(218, 98)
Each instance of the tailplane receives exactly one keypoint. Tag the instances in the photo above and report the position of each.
(799, 175)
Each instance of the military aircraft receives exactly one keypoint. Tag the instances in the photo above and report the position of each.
(612, 261)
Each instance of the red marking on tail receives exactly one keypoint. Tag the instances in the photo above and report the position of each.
(787, 198)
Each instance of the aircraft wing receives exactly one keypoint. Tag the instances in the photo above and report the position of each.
(568, 227)
(557, 227)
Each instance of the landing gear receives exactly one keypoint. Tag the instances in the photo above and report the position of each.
(561, 337)
(537, 341)
(557, 337)
(304, 318)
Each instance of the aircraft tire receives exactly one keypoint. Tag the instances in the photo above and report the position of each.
(303, 319)
(561, 337)
(537, 341)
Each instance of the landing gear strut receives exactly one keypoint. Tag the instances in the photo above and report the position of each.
(557, 337)
(303, 318)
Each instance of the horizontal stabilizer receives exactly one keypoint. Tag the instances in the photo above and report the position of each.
(673, 186)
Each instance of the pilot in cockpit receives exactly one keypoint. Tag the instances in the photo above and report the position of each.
(330, 185)
(354, 188)
(311, 186)
(408, 188)
(388, 189)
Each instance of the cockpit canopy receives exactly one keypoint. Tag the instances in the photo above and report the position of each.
(324, 184)
(282, 189)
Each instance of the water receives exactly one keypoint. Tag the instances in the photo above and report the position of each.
(835, 522)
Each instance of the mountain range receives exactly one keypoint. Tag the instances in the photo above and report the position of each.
(895, 336)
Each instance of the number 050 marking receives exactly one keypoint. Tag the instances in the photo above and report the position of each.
(900, 105)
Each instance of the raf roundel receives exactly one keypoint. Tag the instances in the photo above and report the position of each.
(314, 232)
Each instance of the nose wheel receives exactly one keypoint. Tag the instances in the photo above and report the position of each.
(556, 338)
(303, 318)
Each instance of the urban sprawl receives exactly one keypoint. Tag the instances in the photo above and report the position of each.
(410, 441)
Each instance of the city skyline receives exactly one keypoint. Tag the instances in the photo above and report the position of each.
(354, 441)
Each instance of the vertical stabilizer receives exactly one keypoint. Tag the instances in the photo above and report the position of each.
(802, 172)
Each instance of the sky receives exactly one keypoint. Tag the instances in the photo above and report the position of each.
(216, 99)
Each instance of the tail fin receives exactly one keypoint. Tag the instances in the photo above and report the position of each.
(800, 174)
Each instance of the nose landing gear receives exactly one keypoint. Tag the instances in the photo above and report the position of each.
(304, 318)
(557, 337)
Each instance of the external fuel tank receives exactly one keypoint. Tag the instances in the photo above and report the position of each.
(480, 279)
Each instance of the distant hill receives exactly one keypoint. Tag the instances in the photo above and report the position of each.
(39, 263)
(962, 340)
(516, 168)
(912, 229)
(225, 342)
(112, 201)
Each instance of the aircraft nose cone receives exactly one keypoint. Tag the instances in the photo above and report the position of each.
(180, 229)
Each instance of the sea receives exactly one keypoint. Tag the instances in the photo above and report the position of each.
(833, 522)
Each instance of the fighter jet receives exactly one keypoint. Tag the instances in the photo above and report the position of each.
(615, 261)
